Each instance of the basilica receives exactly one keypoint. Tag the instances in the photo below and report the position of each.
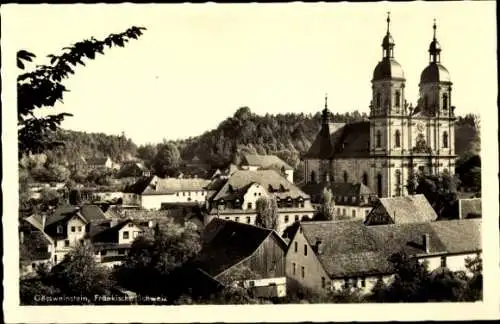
(398, 140)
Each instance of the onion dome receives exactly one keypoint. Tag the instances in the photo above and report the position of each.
(435, 71)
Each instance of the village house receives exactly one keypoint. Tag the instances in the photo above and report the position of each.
(469, 208)
(237, 197)
(325, 256)
(133, 169)
(255, 162)
(101, 163)
(35, 248)
(244, 255)
(152, 192)
(352, 200)
(112, 239)
(401, 210)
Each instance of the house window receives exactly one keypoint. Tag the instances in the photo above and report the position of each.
(227, 218)
(363, 282)
(378, 139)
(343, 212)
(249, 205)
(305, 249)
(293, 268)
(296, 245)
(286, 218)
(125, 235)
(445, 101)
(189, 194)
(313, 176)
(397, 138)
(236, 219)
(353, 213)
(346, 176)
(79, 228)
(183, 193)
(338, 211)
(73, 228)
(66, 243)
(445, 139)
(323, 282)
(177, 194)
(303, 272)
(248, 220)
(443, 262)
(255, 194)
(136, 234)
(397, 99)
(296, 218)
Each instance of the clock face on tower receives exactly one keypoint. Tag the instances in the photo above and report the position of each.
(420, 127)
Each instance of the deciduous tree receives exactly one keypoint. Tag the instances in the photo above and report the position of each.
(267, 213)
(166, 160)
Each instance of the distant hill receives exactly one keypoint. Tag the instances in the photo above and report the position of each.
(286, 135)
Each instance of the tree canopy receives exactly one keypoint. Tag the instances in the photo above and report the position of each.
(267, 213)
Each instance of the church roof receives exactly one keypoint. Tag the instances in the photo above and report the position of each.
(388, 69)
(435, 72)
(341, 140)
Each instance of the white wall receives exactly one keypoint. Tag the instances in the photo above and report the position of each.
(254, 192)
(133, 232)
(155, 201)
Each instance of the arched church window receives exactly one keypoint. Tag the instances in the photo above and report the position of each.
(445, 101)
(445, 139)
(313, 176)
(398, 182)
(397, 99)
(346, 176)
(378, 99)
(397, 138)
(365, 178)
(378, 138)
(426, 102)
(379, 185)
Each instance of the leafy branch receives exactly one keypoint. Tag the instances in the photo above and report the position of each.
(43, 87)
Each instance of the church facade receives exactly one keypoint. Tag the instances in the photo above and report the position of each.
(398, 140)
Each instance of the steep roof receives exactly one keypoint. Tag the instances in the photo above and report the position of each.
(470, 208)
(227, 243)
(341, 140)
(350, 248)
(243, 178)
(92, 213)
(265, 161)
(158, 186)
(35, 243)
(459, 235)
(406, 209)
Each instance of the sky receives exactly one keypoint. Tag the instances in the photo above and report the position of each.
(196, 64)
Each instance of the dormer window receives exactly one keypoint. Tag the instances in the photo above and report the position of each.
(59, 229)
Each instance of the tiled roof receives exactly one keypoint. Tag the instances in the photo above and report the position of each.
(459, 236)
(338, 189)
(264, 161)
(110, 234)
(158, 186)
(406, 209)
(470, 208)
(341, 140)
(352, 249)
(226, 243)
(35, 243)
(265, 178)
(61, 213)
(92, 213)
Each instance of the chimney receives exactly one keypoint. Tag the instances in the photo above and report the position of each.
(426, 243)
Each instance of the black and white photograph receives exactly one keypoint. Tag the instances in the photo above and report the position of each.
(298, 154)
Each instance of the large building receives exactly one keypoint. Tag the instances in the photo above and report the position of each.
(398, 140)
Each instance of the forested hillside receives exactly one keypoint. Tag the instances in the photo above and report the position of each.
(287, 135)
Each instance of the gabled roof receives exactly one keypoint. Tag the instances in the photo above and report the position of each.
(227, 243)
(406, 209)
(459, 235)
(64, 213)
(92, 213)
(158, 186)
(350, 248)
(110, 234)
(469, 208)
(264, 161)
(341, 140)
(35, 243)
(243, 178)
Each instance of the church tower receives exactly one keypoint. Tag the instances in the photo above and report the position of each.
(387, 111)
(436, 127)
